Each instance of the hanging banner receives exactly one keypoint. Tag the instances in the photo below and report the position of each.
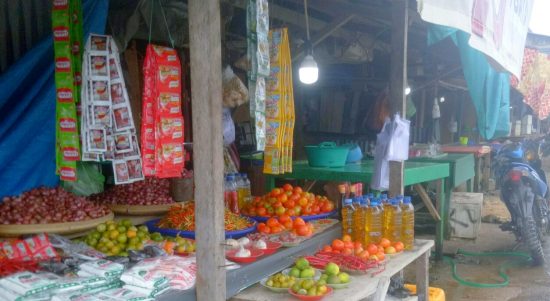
(498, 28)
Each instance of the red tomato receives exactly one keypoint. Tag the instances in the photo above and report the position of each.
(303, 201)
(315, 209)
(280, 210)
(288, 224)
(277, 229)
(297, 189)
(302, 230)
(347, 244)
(283, 218)
(261, 211)
(275, 192)
(282, 198)
(364, 255)
(287, 187)
(347, 251)
(272, 222)
(327, 248)
(270, 211)
(294, 197)
(277, 204)
(291, 212)
(299, 222)
(297, 210)
(327, 207)
(307, 210)
(337, 245)
(289, 204)
(358, 244)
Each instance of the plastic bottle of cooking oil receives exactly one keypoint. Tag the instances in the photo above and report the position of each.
(358, 219)
(347, 217)
(392, 221)
(374, 225)
(407, 232)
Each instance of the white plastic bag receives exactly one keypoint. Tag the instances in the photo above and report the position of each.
(380, 177)
(398, 147)
(228, 127)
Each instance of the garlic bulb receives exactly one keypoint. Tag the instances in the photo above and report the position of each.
(233, 244)
(260, 244)
(243, 241)
(242, 252)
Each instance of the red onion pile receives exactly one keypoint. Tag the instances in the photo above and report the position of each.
(48, 205)
(151, 191)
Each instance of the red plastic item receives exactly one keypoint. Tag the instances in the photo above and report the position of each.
(272, 247)
(254, 255)
(311, 298)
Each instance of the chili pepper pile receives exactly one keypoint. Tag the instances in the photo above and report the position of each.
(182, 217)
(347, 263)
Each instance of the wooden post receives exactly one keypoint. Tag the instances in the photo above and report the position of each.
(398, 80)
(206, 99)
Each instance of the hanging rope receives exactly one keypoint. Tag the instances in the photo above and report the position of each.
(151, 20)
(307, 19)
(166, 24)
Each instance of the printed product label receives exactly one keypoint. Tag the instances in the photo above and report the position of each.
(67, 124)
(61, 33)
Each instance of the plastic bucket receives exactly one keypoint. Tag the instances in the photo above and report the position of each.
(327, 154)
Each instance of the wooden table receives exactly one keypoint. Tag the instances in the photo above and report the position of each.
(482, 154)
(413, 173)
(363, 286)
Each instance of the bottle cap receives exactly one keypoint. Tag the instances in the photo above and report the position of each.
(407, 200)
(395, 201)
(374, 203)
(357, 199)
(348, 201)
(384, 196)
(364, 202)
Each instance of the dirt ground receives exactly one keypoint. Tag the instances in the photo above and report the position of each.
(526, 282)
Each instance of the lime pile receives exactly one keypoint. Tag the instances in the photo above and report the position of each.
(332, 275)
(280, 281)
(117, 238)
(309, 287)
(302, 269)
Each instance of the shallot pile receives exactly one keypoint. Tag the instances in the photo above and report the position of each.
(151, 191)
(48, 205)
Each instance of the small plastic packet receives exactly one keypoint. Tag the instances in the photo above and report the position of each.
(103, 268)
(27, 283)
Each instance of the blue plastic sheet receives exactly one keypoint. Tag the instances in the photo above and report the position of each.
(27, 112)
(489, 89)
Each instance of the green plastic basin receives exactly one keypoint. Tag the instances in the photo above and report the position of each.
(327, 154)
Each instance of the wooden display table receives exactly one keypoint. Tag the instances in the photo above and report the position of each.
(372, 287)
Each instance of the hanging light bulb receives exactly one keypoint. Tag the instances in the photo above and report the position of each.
(407, 90)
(308, 72)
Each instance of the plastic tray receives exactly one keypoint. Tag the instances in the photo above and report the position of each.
(152, 225)
(304, 217)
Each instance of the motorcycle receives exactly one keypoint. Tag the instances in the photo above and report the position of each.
(524, 190)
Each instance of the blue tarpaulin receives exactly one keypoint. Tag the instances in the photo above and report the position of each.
(489, 89)
(27, 112)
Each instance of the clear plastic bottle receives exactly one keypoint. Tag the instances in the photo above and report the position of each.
(231, 197)
(374, 223)
(347, 217)
(392, 221)
(240, 190)
(407, 232)
(247, 188)
(358, 219)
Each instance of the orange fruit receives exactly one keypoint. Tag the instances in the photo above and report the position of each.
(384, 242)
(346, 237)
(288, 225)
(327, 248)
(337, 245)
(364, 255)
(381, 256)
(276, 229)
(399, 246)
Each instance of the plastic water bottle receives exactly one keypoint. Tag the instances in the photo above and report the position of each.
(392, 221)
(240, 189)
(247, 188)
(347, 217)
(407, 232)
(374, 223)
(358, 219)
(231, 197)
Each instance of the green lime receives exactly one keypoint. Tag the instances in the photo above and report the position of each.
(92, 242)
(96, 235)
(121, 229)
(133, 228)
(110, 244)
(101, 227)
(143, 229)
(113, 234)
(133, 240)
(122, 238)
(141, 234)
(115, 250)
(111, 227)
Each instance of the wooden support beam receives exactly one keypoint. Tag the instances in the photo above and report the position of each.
(206, 87)
(398, 80)
(324, 33)
(427, 201)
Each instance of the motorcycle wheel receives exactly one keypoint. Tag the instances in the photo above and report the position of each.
(532, 241)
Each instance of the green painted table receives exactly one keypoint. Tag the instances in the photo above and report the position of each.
(461, 169)
(414, 173)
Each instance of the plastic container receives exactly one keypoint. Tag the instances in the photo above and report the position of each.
(392, 221)
(358, 219)
(355, 154)
(326, 154)
(407, 232)
(347, 217)
(374, 223)
(231, 197)
(311, 298)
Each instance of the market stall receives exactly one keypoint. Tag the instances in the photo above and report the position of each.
(226, 239)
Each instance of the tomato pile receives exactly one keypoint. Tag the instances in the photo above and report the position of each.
(371, 252)
(292, 201)
(182, 217)
(277, 225)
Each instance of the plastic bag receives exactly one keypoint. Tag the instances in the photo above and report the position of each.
(90, 180)
(398, 146)
(228, 127)
(234, 91)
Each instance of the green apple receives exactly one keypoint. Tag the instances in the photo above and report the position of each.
(294, 272)
(301, 263)
(344, 277)
(307, 273)
(332, 268)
